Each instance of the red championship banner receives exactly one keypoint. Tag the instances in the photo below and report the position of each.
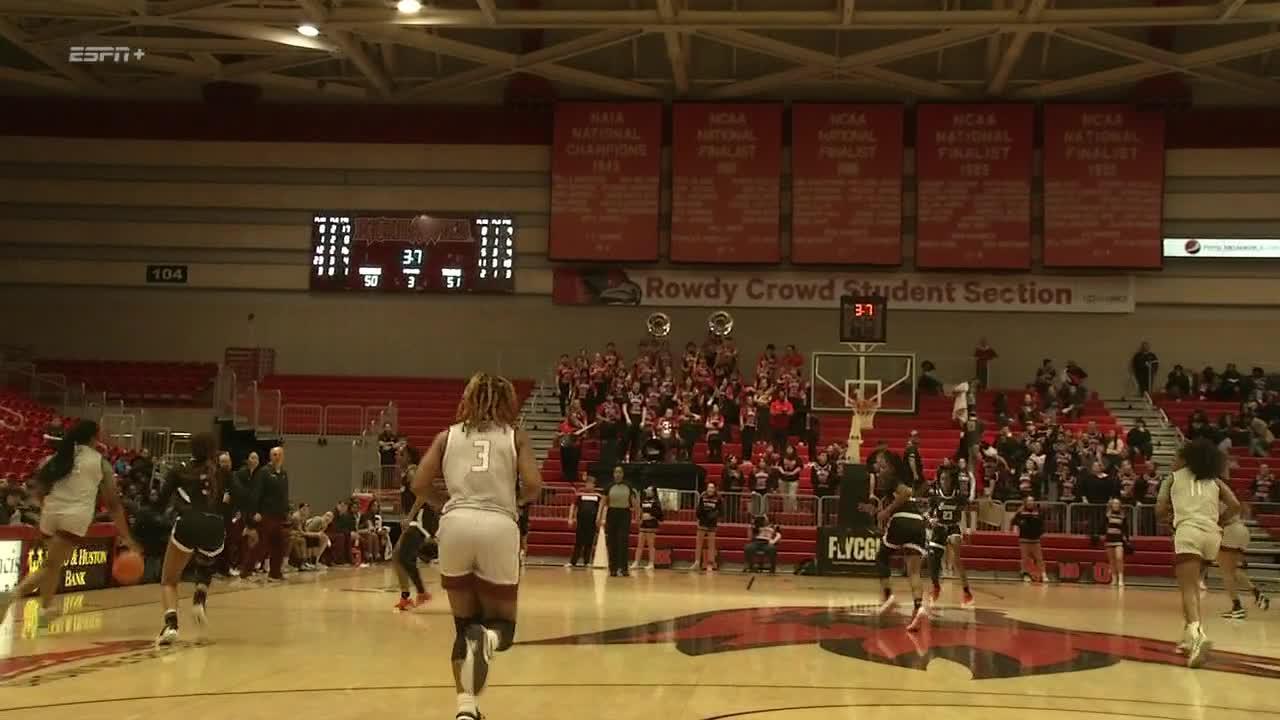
(726, 178)
(605, 165)
(846, 168)
(973, 172)
(1103, 186)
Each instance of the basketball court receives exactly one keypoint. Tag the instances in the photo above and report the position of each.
(660, 644)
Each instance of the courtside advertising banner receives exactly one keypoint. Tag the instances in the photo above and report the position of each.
(1103, 186)
(846, 198)
(726, 182)
(973, 179)
(606, 159)
(905, 291)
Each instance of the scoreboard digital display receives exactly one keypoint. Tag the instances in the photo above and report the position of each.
(412, 252)
(863, 319)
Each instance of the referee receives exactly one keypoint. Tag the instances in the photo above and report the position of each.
(620, 499)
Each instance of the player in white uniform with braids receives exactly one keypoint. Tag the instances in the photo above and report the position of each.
(1190, 499)
(488, 470)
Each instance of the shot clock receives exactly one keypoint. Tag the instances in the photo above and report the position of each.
(863, 319)
(412, 252)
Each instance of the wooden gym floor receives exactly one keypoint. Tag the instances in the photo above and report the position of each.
(660, 645)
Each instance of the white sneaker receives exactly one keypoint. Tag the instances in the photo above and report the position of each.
(235, 572)
(918, 619)
(200, 614)
(481, 643)
(168, 636)
(1199, 649)
(889, 605)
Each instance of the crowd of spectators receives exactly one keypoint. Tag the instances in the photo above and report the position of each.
(658, 408)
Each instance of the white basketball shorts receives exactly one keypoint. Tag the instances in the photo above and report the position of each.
(478, 545)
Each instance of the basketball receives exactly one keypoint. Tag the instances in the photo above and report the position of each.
(127, 568)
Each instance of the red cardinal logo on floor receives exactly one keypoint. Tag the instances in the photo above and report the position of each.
(988, 642)
(20, 665)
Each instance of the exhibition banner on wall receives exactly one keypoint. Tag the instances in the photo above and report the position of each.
(906, 291)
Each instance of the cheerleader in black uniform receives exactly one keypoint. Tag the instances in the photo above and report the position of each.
(1030, 527)
(709, 508)
(1117, 534)
(199, 485)
(650, 519)
(904, 531)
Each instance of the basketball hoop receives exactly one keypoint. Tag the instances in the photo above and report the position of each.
(866, 411)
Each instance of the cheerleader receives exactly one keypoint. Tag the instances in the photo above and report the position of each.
(1117, 534)
(748, 420)
(650, 519)
(709, 509)
(1030, 527)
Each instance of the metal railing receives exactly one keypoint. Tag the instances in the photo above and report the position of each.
(343, 420)
(302, 419)
(325, 420)
(1054, 515)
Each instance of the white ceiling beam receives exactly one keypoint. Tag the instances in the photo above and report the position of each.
(350, 18)
(1000, 78)
(867, 58)
(54, 58)
(525, 63)
(489, 10)
(917, 86)
(675, 43)
(1201, 63)
(190, 69)
(847, 10)
(350, 46)
(179, 7)
(1229, 8)
(40, 80)
(1155, 61)
(500, 58)
(252, 31)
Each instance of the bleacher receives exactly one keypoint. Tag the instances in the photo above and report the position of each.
(938, 438)
(139, 383)
(1179, 414)
(424, 406)
(22, 425)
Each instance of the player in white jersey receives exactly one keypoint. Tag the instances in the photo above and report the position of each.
(69, 485)
(478, 473)
(1190, 499)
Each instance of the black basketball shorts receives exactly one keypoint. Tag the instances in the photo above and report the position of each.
(942, 534)
(199, 532)
(906, 531)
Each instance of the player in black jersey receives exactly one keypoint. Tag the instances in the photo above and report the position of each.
(198, 485)
(946, 536)
(904, 530)
(415, 529)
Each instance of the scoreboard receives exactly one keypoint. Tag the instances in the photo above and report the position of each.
(412, 252)
(864, 319)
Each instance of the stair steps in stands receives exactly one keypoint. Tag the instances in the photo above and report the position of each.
(540, 416)
(1128, 412)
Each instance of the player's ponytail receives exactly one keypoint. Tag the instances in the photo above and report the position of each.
(64, 458)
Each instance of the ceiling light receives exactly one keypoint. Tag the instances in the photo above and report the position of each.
(408, 7)
(308, 30)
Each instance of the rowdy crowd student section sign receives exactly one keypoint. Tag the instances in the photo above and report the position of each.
(726, 178)
(688, 288)
(605, 165)
(846, 168)
(1103, 186)
(973, 172)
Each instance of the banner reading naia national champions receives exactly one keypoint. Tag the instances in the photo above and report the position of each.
(691, 288)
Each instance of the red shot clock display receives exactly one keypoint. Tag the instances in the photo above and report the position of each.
(863, 319)
(412, 252)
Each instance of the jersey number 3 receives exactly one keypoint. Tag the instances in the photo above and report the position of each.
(482, 456)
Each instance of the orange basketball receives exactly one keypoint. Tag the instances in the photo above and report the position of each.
(127, 568)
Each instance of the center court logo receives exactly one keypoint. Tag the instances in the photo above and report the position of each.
(988, 642)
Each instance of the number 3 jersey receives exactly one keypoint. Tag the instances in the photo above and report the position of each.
(480, 469)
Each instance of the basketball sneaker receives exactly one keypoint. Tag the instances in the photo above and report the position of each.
(405, 604)
(1198, 649)
(199, 612)
(169, 633)
(968, 599)
(1262, 601)
(918, 619)
(935, 593)
(889, 605)
(481, 643)
(1236, 613)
